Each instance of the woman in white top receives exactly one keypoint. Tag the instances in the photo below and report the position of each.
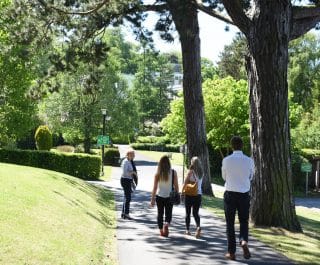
(128, 173)
(195, 174)
(163, 186)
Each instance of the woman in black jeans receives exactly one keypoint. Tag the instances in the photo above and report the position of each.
(195, 174)
(162, 186)
(129, 172)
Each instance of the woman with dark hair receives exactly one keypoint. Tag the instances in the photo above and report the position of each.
(194, 177)
(162, 186)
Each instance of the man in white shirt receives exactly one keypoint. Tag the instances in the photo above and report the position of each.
(237, 172)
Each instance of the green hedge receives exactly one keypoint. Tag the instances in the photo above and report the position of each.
(111, 156)
(310, 153)
(78, 165)
(156, 147)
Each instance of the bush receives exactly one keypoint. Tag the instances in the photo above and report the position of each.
(78, 165)
(215, 161)
(298, 177)
(156, 147)
(310, 153)
(122, 139)
(43, 138)
(111, 156)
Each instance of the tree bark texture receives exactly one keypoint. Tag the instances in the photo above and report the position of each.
(185, 18)
(268, 39)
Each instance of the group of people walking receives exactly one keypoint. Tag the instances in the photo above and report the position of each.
(237, 172)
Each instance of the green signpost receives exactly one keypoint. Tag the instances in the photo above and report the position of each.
(103, 140)
(306, 167)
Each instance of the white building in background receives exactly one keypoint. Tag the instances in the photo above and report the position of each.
(177, 78)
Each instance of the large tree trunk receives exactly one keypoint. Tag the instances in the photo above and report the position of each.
(186, 21)
(272, 203)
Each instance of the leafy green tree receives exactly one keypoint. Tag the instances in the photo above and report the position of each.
(208, 69)
(17, 109)
(173, 125)
(75, 109)
(304, 70)
(126, 52)
(307, 133)
(227, 112)
(152, 91)
(232, 59)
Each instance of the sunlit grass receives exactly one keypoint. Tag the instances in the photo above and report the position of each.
(177, 158)
(52, 218)
(107, 173)
(303, 248)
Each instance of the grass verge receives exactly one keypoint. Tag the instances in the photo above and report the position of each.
(302, 248)
(48, 217)
(107, 173)
(177, 158)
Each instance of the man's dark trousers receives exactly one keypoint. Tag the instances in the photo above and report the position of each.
(236, 201)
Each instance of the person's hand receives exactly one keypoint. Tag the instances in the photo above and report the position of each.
(152, 202)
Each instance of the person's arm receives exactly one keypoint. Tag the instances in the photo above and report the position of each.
(187, 180)
(175, 181)
(154, 190)
(223, 170)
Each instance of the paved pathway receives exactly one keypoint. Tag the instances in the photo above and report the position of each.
(140, 244)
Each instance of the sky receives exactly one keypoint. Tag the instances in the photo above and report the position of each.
(213, 36)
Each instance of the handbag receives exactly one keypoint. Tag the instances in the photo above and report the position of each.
(191, 189)
(174, 195)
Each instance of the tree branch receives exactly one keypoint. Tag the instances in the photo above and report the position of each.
(301, 12)
(156, 8)
(88, 12)
(304, 19)
(239, 18)
(212, 12)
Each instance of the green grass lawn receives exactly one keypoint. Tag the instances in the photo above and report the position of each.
(52, 218)
(303, 248)
(107, 173)
(177, 158)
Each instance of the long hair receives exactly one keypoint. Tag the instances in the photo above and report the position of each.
(164, 167)
(196, 166)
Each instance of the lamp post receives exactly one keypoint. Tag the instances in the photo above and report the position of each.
(104, 118)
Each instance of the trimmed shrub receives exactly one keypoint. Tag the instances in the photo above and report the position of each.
(310, 153)
(43, 138)
(111, 156)
(78, 165)
(156, 147)
(298, 177)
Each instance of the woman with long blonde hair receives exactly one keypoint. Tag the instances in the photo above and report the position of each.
(162, 187)
(194, 176)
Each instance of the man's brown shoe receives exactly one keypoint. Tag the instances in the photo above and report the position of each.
(230, 256)
(246, 252)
